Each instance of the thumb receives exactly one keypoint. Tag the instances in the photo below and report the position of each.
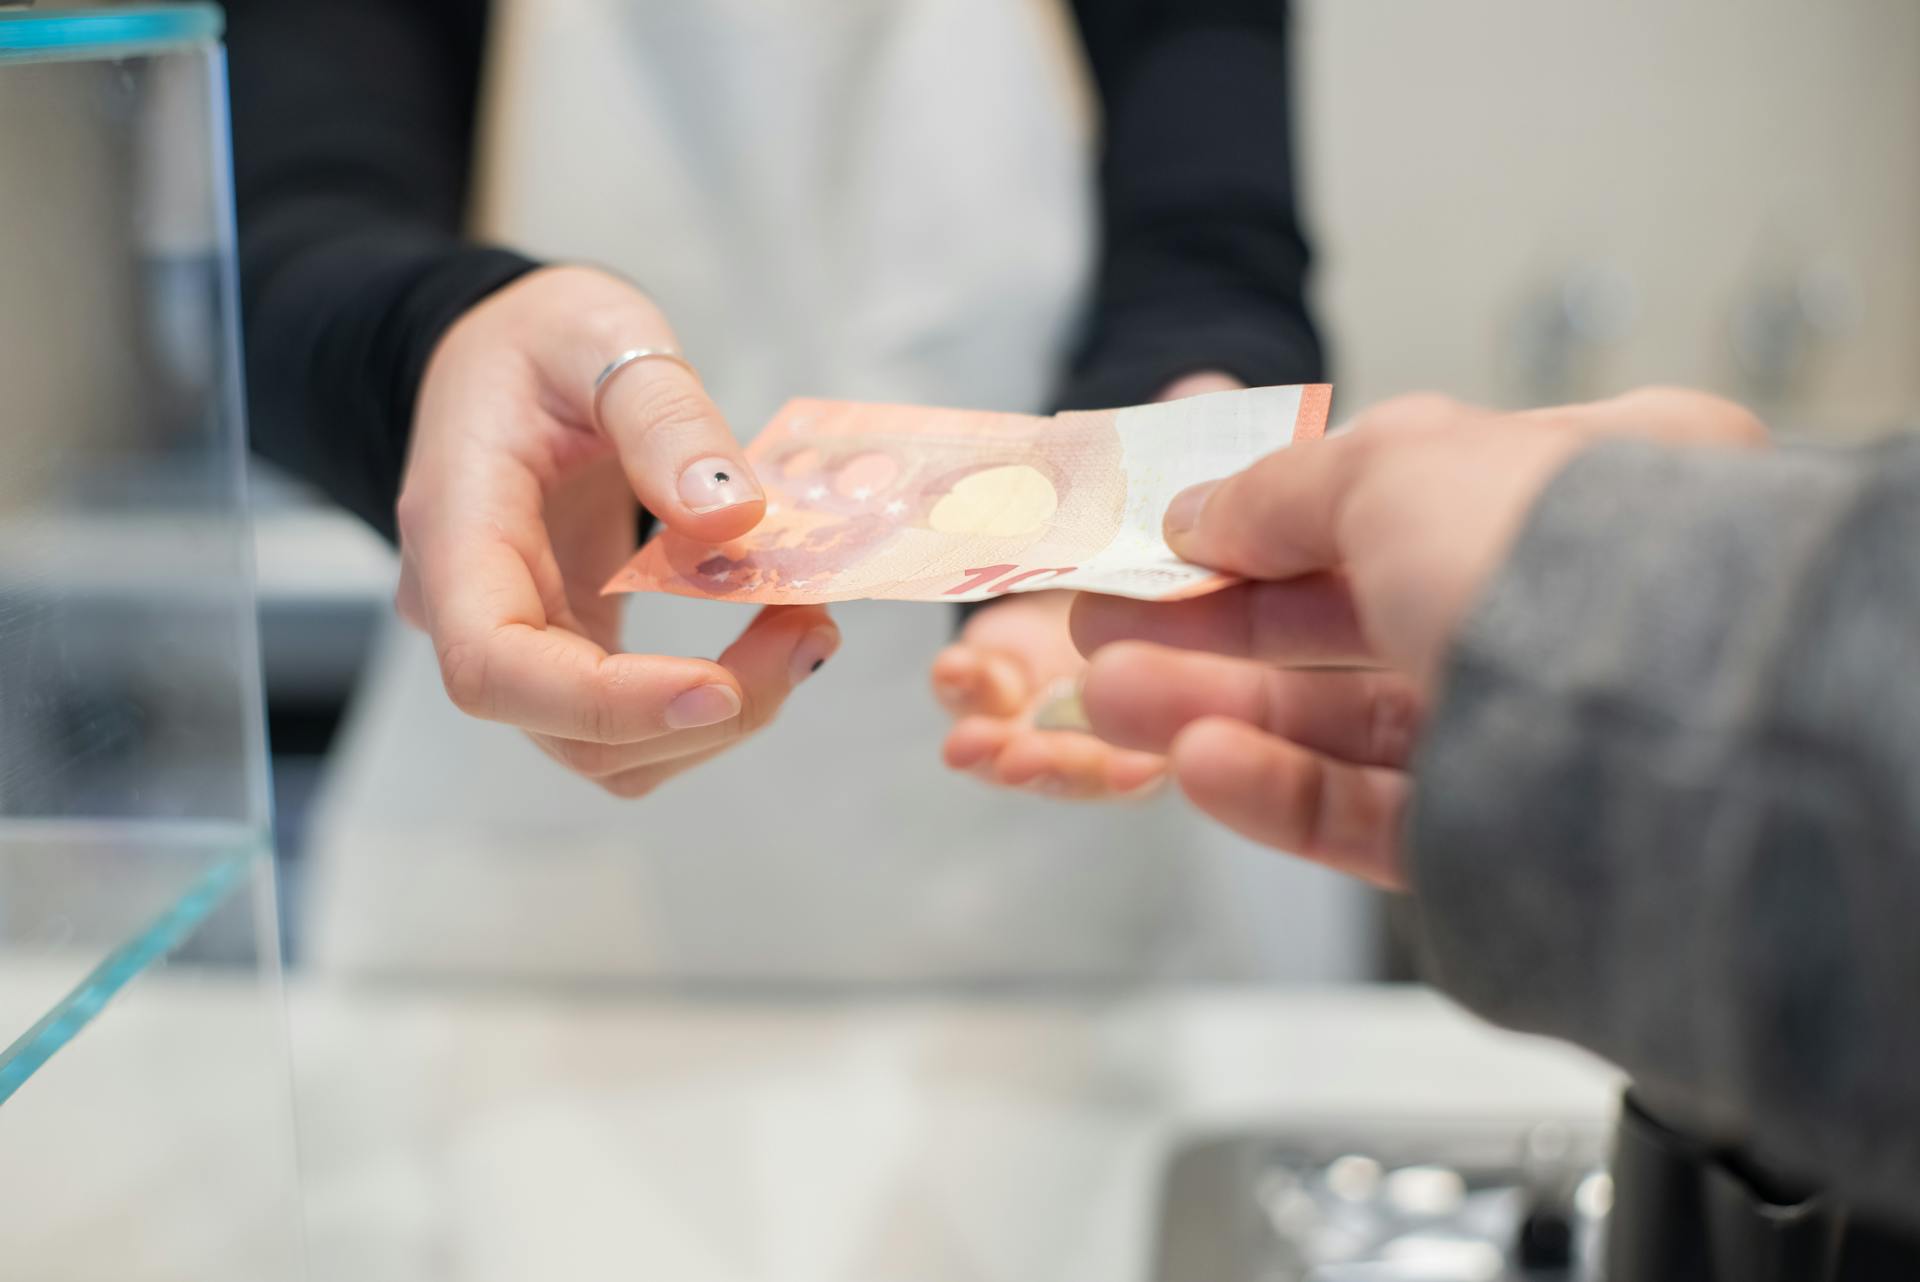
(1281, 517)
(1278, 519)
(676, 449)
(608, 355)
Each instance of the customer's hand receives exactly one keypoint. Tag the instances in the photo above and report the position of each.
(517, 506)
(1290, 706)
(1011, 661)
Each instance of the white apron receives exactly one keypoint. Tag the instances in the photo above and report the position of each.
(873, 199)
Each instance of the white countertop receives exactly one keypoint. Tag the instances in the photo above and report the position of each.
(469, 1136)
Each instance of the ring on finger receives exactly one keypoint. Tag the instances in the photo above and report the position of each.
(627, 360)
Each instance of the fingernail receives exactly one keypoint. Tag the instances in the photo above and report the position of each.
(1184, 512)
(716, 483)
(812, 653)
(706, 706)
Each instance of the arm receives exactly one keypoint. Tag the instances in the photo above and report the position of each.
(1641, 730)
(353, 122)
(1203, 265)
(1669, 805)
(446, 392)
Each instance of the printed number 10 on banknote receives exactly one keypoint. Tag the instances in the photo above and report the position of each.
(915, 504)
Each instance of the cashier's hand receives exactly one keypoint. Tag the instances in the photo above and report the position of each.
(517, 506)
(1290, 706)
(1013, 659)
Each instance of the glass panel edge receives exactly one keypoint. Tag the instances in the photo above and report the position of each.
(64, 35)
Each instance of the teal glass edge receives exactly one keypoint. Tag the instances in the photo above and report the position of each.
(71, 1015)
(31, 35)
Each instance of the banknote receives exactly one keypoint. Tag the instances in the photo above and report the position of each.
(909, 503)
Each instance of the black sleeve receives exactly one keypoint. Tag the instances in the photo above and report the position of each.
(1203, 263)
(353, 125)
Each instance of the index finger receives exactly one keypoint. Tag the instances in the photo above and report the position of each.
(492, 597)
(1309, 621)
(1672, 415)
(502, 659)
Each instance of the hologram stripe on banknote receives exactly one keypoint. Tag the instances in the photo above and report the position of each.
(911, 503)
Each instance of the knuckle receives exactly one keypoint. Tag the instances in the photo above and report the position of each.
(1662, 402)
(409, 513)
(1393, 721)
(1127, 660)
(757, 709)
(602, 714)
(632, 786)
(463, 671)
(406, 605)
(595, 711)
(593, 760)
(668, 403)
(1253, 631)
(1414, 409)
(1738, 425)
(1718, 418)
(616, 310)
(1363, 457)
(1303, 793)
(1668, 393)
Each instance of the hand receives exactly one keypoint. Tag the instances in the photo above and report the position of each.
(517, 506)
(1013, 658)
(1368, 550)
(1008, 662)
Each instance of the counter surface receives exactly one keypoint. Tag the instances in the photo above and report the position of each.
(475, 1135)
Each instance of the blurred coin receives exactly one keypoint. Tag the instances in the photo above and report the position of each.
(1060, 708)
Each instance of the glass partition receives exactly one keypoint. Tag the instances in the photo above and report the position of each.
(145, 1129)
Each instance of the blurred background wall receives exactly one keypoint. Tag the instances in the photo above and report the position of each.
(1519, 201)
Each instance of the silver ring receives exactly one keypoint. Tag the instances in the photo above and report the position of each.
(634, 357)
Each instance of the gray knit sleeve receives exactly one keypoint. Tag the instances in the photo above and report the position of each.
(1668, 806)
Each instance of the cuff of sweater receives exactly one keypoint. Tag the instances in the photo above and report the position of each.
(1605, 679)
(334, 368)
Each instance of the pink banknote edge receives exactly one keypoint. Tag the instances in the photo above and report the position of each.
(1310, 424)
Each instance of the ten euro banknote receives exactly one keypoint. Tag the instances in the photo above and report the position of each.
(913, 504)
